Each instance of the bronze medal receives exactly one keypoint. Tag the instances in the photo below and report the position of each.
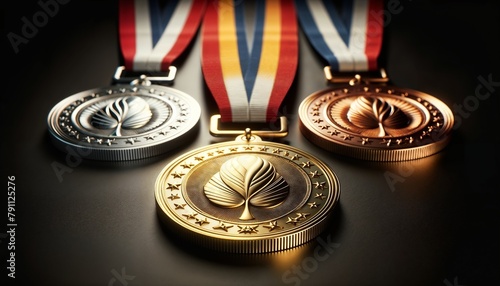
(380, 123)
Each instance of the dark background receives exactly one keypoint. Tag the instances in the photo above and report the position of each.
(437, 224)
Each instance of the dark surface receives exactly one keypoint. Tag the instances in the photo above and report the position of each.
(436, 224)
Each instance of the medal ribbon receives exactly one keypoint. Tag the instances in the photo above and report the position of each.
(350, 39)
(249, 85)
(151, 36)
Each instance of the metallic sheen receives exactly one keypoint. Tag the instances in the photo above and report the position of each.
(378, 123)
(247, 196)
(123, 122)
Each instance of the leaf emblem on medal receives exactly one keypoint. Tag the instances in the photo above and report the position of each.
(247, 180)
(379, 118)
(123, 113)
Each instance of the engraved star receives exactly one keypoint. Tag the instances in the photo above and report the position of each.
(386, 142)
(190, 216)
(272, 226)
(219, 151)
(315, 174)
(248, 229)
(199, 158)
(201, 222)
(315, 113)
(320, 196)
(187, 166)
(173, 186)
(163, 132)
(210, 154)
(132, 141)
(365, 141)
(424, 134)
(222, 226)
(179, 206)
(150, 137)
(317, 120)
(233, 149)
(410, 140)
(89, 139)
(313, 205)
(177, 175)
(319, 185)
(173, 197)
(263, 149)
(109, 142)
(334, 132)
(99, 141)
(399, 141)
(248, 148)
(293, 221)
(277, 151)
(74, 134)
(307, 164)
(316, 108)
(181, 120)
(302, 216)
(286, 154)
(325, 127)
(296, 157)
(347, 137)
(173, 127)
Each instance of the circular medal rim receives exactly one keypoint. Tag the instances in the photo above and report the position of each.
(123, 153)
(375, 153)
(166, 213)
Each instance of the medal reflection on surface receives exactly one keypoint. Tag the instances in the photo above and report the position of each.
(248, 195)
(136, 120)
(367, 119)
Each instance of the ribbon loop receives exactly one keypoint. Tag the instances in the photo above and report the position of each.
(249, 85)
(349, 39)
(152, 36)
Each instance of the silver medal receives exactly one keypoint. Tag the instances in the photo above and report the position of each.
(124, 122)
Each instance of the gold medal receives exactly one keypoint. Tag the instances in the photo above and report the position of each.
(380, 123)
(247, 196)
